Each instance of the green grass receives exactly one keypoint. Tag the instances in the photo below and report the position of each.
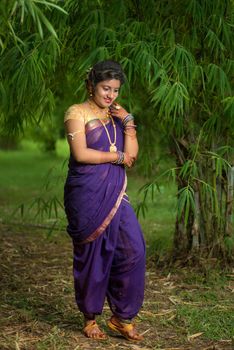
(26, 169)
(215, 323)
(208, 311)
(29, 176)
(207, 304)
(200, 307)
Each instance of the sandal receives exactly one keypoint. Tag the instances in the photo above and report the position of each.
(92, 330)
(127, 330)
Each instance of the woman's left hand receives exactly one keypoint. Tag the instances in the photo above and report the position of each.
(118, 111)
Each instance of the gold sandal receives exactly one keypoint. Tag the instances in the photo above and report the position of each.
(91, 326)
(125, 329)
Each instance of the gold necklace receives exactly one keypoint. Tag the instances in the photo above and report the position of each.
(97, 111)
(112, 147)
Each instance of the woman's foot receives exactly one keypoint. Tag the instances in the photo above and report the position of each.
(92, 330)
(127, 330)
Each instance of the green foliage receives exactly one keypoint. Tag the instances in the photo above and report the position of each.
(178, 58)
(30, 49)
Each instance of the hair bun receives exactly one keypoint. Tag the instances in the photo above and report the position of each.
(106, 70)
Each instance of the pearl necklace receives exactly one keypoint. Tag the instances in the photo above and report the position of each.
(112, 147)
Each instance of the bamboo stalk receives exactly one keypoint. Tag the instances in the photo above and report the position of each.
(196, 222)
(229, 202)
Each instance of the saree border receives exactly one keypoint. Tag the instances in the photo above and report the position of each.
(109, 217)
(94, 124)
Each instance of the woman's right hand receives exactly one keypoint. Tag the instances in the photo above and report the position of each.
(128, 160)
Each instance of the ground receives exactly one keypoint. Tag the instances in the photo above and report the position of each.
(38, 309)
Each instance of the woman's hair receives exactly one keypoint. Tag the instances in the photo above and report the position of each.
(105, 70)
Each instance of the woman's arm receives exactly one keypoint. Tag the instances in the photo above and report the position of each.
(130, 139)
(75, 130)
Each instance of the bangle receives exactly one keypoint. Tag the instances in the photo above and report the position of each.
(120, 159)
(132, 135)
(127, 119)
(133, 126)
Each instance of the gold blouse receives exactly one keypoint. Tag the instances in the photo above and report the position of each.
(85, 113)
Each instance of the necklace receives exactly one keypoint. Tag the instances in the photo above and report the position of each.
(100, 113)
(112, 147)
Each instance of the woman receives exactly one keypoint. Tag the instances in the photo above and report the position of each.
(109, 249)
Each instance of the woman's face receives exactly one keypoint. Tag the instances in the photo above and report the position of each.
(106, 92)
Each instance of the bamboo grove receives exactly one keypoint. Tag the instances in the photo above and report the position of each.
(178, 57)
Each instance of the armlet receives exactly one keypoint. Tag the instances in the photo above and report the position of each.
(72, 134)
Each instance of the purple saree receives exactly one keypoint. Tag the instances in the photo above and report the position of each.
(93, 192)
(109, 248)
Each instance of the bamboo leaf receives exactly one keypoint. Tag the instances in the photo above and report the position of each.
(185, 203)
(46, 23)
(51, 5)
(217, 79)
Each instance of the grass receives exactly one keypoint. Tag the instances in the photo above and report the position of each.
(216, 323)
(206, 308)
(183, 309)
(26, 170)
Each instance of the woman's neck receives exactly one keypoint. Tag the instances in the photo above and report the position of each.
(101, 112)
(95, 104)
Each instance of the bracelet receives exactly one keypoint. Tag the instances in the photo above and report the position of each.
(132, 135)
(133, 126)
(127, 119)
(120, 159)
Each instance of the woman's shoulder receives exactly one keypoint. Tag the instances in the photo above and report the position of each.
(75, 111)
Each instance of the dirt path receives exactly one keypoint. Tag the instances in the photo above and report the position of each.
(38, 311)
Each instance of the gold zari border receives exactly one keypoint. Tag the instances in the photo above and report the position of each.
(109, 217)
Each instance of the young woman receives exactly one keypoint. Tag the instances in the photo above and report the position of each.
(109, 248)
